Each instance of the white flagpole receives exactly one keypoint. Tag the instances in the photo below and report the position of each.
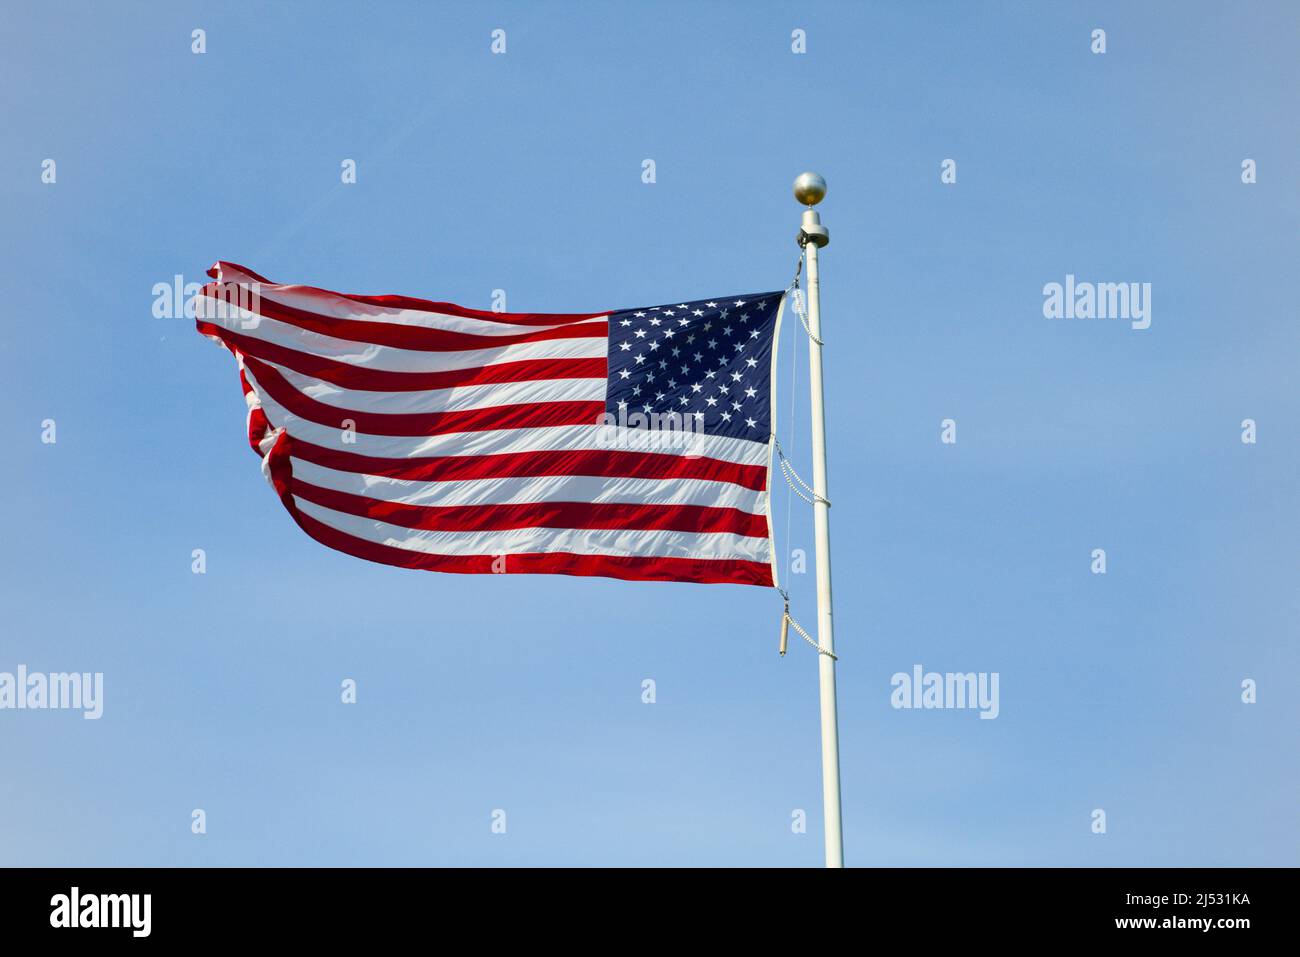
(810, 189)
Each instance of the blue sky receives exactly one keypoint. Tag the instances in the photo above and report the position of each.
(523, 172)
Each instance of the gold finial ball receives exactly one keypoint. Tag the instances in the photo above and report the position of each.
(809, 189)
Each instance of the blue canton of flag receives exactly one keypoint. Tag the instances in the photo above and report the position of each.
(711, 360)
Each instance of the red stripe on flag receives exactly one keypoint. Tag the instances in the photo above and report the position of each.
(595, 462)
(417, 305)
(484, 518)
(400, 336)
(378, 380)
(530, 415)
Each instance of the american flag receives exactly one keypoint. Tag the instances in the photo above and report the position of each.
(631, 444)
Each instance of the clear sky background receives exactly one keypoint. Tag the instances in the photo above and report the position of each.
(523, 172)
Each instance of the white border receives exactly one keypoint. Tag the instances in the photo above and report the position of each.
(771, 439)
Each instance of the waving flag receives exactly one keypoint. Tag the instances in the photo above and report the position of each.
(625, 443)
